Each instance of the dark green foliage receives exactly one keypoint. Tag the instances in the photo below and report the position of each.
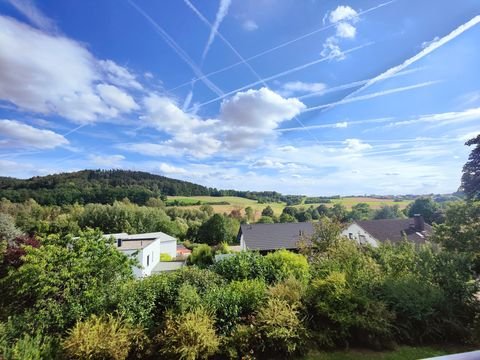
(388, 212)
(471, 171)
(218, 229)
(202, 256)
(268, 211)
(245, 265)
(426, 207)
(265, 220)
(360, 211)
(63, 280)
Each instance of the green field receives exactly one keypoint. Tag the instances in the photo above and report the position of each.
(239, 203)
(402, 353)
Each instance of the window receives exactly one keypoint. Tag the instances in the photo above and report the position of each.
(350, 236)
(362, 239)
(148, 260)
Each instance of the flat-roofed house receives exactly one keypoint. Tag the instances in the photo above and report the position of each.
(146, 248)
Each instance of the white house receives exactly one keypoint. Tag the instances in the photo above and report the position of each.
(146, 248)
(374, 232)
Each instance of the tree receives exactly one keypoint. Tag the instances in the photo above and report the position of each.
(266, 220)
(62, 281)
(471, 171)
(202, 256)
(249, 213)
(426, 207)
(268, 211)
(388, 212)
(360, 211)
(339, 212)
(217, 229)
(287, 218)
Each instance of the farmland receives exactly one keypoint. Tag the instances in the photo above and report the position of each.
(219, 203)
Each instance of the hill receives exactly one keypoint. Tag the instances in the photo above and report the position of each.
(97, 186)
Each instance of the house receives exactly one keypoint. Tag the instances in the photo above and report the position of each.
(183, 252)
(269, 237)
(374, 232)
(146, 248)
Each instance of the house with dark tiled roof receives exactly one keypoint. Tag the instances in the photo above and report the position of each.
(269, 237)
(374, 232)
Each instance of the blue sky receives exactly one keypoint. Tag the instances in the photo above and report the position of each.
(303, 97)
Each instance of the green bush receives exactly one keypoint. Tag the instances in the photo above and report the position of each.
(342, 314)
(165, 257)
(244, 265)
(290, 290)
(285, 264)
(188, 299)
(27, 347)
(188, 336)
(202, 256)
(103, 338)
(235, 302)
(280, 329)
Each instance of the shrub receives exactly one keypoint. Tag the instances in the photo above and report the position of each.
(36, 347)
(280, 329)
(165, 257)
(290, 290)
(188, 299)
(284, 264)
(189, 336)
(244, 265)
(202, 256)
(342, 313)
(236, 301)
(102, 338)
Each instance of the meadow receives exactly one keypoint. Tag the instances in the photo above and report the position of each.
(238, 203)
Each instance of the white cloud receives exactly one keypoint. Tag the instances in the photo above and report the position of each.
(293, 87)
(171, 170)
(342, 13)
(346, 30)
(33, 14)
(15, 134)
(287, 148)
(343, 17)
(331, 50)
(245, 122)
(356, 145)
(428, 43)
(341, 125)
(108, 161)
(251, 117)
(250, 25)
(117, 98)
(119, 75)
(59, 76)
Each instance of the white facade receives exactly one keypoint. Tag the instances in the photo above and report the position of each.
(357, 233)
(146, 249)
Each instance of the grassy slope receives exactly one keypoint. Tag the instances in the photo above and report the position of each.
(402, 353)
(239, 203)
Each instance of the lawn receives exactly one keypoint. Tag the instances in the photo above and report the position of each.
(239, 203)
(402, 353)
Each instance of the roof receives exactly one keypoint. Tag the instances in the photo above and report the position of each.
(394, 230)
(274, 236)
(135, 244)
(182, 249)
(145, 236)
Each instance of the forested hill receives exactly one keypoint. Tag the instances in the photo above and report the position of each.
(97, 186)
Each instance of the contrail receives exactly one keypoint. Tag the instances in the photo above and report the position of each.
(371, 96)
(282, 45)
(283, 73)
(430, 48)
(338, 124)
(352, 85)
(221, 13)
(180, 52)
(216, 32)
(262, 81)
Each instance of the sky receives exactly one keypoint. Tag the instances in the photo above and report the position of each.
(314, 97)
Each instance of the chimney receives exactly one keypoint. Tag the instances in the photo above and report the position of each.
(419, 222)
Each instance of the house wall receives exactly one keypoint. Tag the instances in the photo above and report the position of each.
(137, 272)
(355, 232)
(243, 246)
(169, 247)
